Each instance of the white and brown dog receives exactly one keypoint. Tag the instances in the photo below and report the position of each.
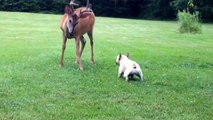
(128, 68)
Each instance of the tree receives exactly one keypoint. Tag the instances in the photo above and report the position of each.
(148, 9)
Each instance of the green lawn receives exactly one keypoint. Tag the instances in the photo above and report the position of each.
(178, 71)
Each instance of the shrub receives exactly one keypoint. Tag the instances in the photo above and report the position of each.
(189, 19)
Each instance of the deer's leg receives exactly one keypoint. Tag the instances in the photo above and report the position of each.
(64, 40)
(91, 44)
(83, 42)
(77, 40)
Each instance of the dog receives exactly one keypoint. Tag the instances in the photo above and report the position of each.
(128, 68)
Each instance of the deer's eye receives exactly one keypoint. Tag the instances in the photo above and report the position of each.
(70, 21)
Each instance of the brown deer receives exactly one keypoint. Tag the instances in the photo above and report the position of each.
(74, 24)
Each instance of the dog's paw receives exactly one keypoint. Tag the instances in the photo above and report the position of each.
(127, 79)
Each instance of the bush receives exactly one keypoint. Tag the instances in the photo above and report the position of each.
(189, 23)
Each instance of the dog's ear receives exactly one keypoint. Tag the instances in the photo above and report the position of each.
(127, 55)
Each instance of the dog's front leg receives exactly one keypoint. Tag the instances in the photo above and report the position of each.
(126, 74)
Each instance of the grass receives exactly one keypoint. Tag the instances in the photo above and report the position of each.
(178, 71)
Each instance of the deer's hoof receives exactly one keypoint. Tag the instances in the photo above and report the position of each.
(81, 68)
(76, 62)
(61, 65)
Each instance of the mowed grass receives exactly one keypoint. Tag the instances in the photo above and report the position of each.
(178, 71)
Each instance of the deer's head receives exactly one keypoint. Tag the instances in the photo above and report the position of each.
(71, 17)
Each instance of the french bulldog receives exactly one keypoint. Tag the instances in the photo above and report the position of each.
(128, 68)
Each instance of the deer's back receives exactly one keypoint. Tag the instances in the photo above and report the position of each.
(85, 22)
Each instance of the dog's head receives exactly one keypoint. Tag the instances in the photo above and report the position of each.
(121, 57)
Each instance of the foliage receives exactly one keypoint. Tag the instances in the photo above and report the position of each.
(177, 69)
(149, 9)
(189, 22)
(205, 7)
(189, 19)
(56, 6)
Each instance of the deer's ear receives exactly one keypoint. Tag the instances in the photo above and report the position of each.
(127, 55)
(67, 9)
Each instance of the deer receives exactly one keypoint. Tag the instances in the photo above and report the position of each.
(74, 24)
